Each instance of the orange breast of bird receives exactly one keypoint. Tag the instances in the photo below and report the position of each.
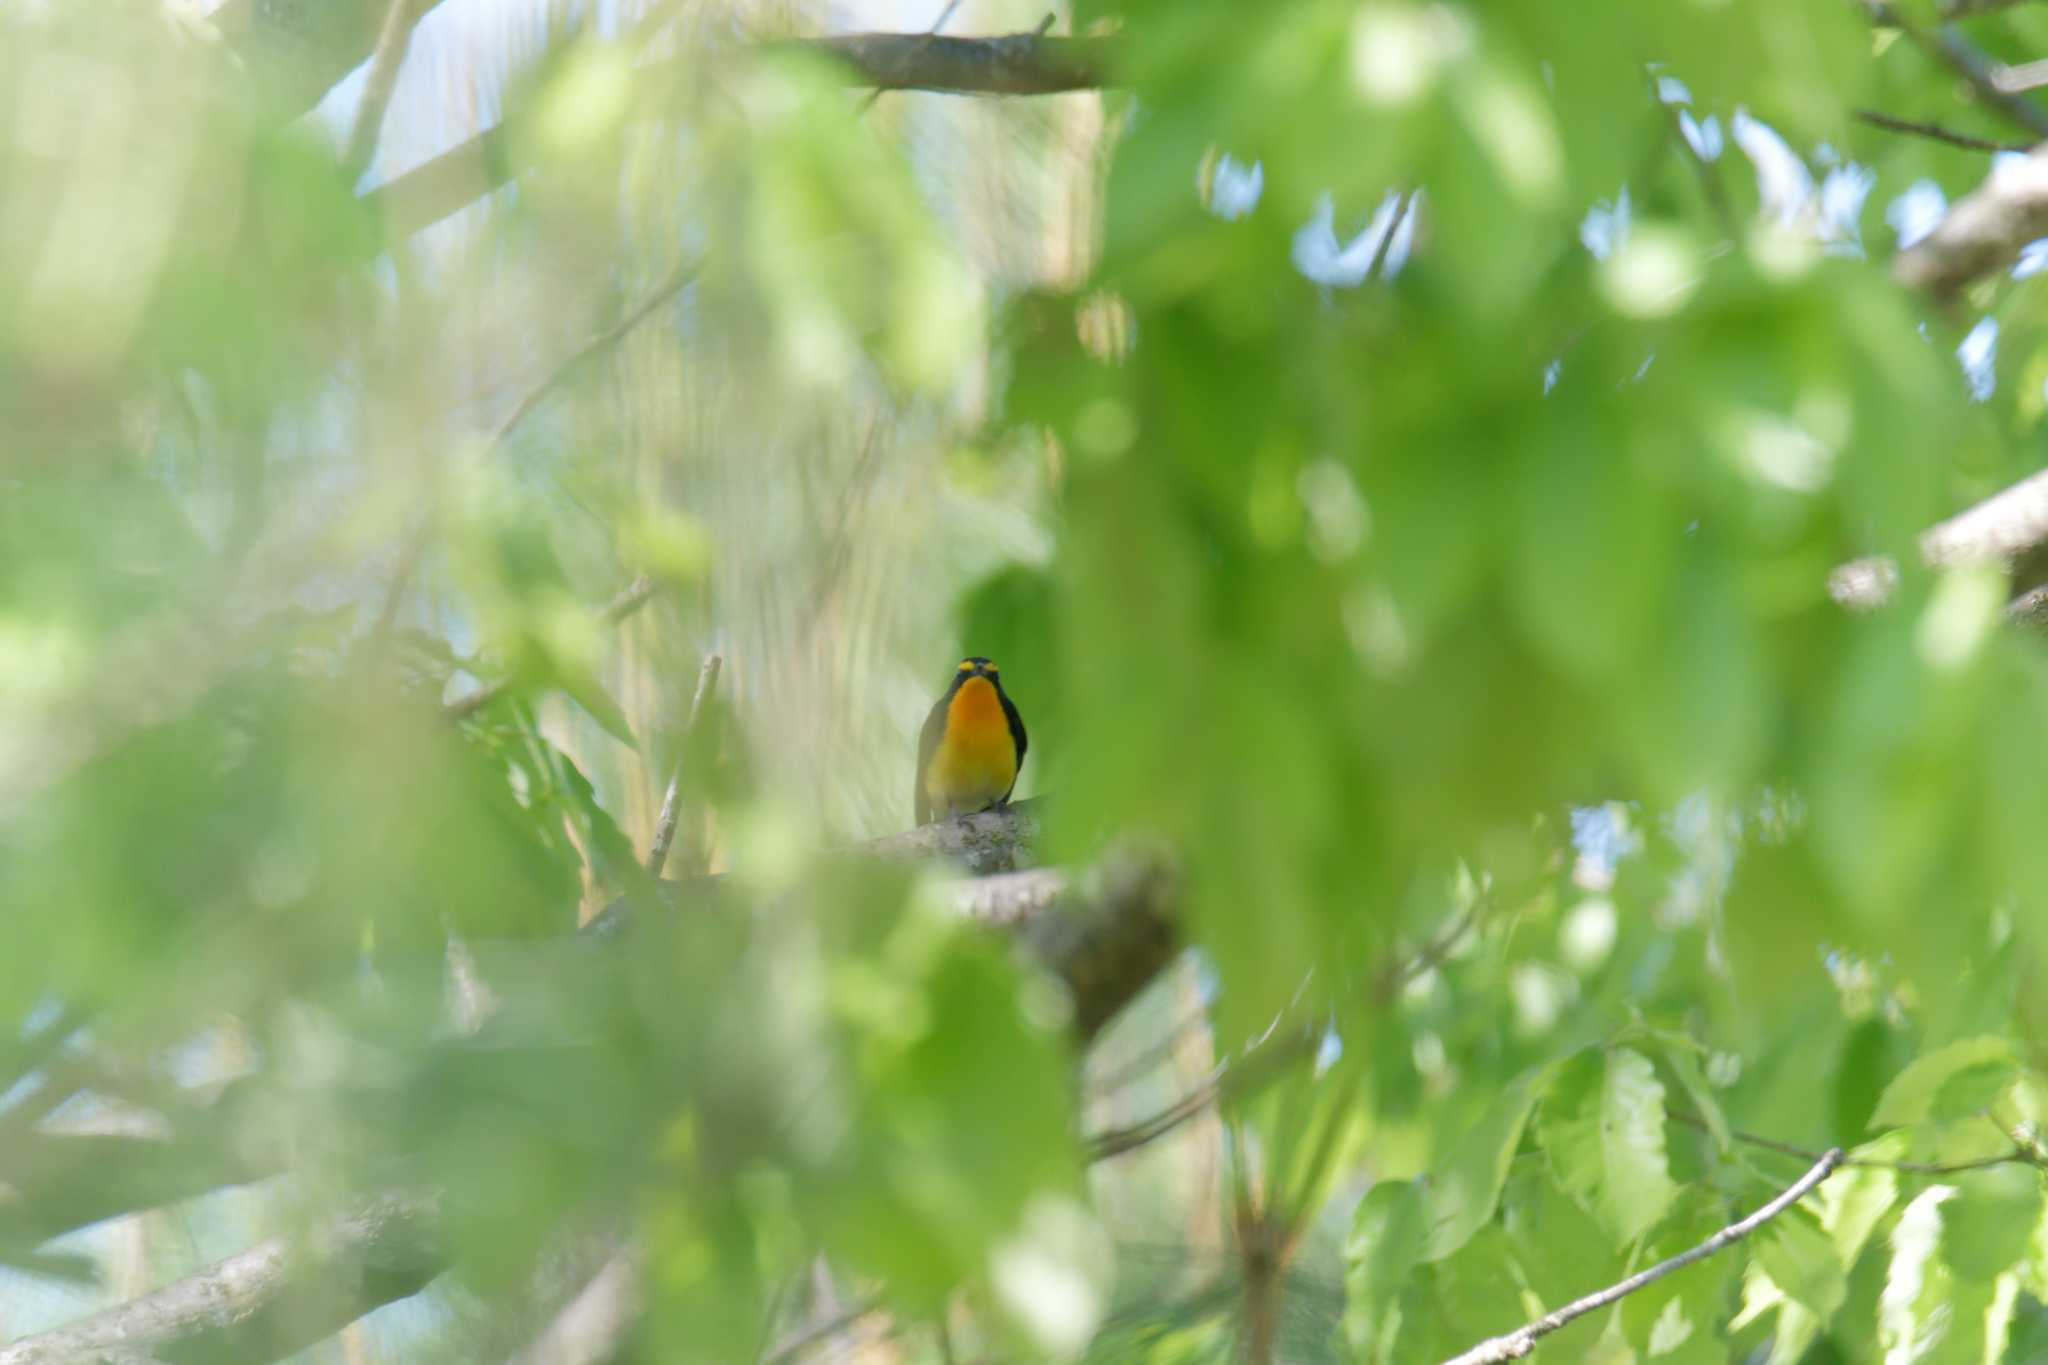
(976, 761)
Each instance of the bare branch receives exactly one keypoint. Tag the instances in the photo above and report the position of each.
(393, 40)
(2002, 531)
(986, 842)
(2019, 1155)
(945, 16)
(1105, 933)
(1522, 1341)
(267, 1302)
(1012, 64)
(1258, 1067)
(629, 600)
(1947, 46)
(591, 1326)
(678, 279)
(1983, 233)
(671, 801)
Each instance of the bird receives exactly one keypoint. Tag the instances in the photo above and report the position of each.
(971, 748)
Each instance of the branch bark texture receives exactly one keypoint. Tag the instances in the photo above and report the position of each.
(2007, 530)
(265, 1303)
(1983, 233)
(1009, 64)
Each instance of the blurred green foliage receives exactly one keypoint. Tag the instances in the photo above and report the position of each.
(1462, 631)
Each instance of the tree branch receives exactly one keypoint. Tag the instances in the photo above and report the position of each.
(1009, 64)
(591, 1325)
(1012, 64)
(1522, 1341)
(988, 841)
(393, 41)
(1105, 934)
(264, 1303)
(2004, 530)
(296, 50)
(1982, 233)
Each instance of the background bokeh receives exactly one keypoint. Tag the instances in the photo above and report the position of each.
(1396, 453)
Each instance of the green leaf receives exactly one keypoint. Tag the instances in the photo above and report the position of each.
(1927, 1312)
(1685, 1065)
(1949, 1082)
(1603, 1131)
(1987, 1227)
(1562, 1249)
(1855, 1198)
(1799, 1256)
(1384, 1247)
(1462, 1194)
(1677, 1320)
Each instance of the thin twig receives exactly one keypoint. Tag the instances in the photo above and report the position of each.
(677, 281)
(393, 39)
(1401, 971)
(1948, 46)
(671, 801)
(1934, 132)
(1522, 1341)
(629, 600)
(2019, 1153)
(1233, 1080)
(1151, 1055)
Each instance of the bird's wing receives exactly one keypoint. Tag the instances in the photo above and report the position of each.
(927, 745)
(1023, 740)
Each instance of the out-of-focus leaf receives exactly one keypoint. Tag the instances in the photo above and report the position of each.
(1796, 1252)
(1926, 1312)
(1602, 1128)
(1856, 1198)
(1987, 1227)
(1384, 1247)
(1678, 1320)
(1463, 1191)
(1949, 1082)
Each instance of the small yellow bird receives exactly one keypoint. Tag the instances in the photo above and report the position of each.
(972, 746)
